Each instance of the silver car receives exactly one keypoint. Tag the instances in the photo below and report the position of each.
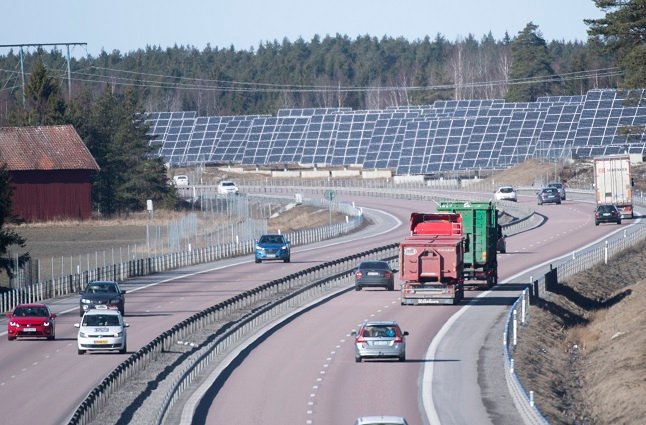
(380, 420)
(379, 339)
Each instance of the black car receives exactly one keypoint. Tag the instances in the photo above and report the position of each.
(606, 213)
(548, 195)
(103, 292)
(374, 273)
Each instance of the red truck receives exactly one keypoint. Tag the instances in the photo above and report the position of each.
(431, 260)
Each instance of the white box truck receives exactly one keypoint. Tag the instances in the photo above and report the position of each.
(613, 183)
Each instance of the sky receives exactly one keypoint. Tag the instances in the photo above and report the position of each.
(128, 25)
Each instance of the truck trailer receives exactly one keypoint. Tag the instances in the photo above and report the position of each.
(484, 239)
(613, 183)
(431, 260)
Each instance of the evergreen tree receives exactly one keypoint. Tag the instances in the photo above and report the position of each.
(129, 173)
(531, 70)
(621, 33)
(8, 237)
(45, 105)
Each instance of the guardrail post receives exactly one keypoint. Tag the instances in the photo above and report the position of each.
(515, 328)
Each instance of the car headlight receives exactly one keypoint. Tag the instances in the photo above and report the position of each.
(46, 323)
(86, 301)
(14, 324)
(259, 248)
(118, 334)
(82, 335)
(284, 247)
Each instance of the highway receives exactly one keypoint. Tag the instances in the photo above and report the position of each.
(305, 372)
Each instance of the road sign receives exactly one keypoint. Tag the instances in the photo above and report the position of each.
(329, 195)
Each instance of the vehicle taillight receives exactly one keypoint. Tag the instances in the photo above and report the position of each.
(360, 338)
(359, 275)
(387, 275)
(398, 339)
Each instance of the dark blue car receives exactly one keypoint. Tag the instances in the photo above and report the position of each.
(272, 247)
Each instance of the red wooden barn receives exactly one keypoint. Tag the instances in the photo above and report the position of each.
(51, 170)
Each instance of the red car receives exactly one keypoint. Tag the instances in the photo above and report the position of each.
(31, 320)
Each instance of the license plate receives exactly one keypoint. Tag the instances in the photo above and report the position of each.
(29, 330)
(101, 330)
(100, 341)
(606, 214)
(373, 273)
(381, 342)
(271, 255)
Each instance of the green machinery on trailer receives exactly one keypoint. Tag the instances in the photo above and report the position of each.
(483, 239)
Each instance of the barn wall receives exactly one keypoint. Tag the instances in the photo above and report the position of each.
(52, 195)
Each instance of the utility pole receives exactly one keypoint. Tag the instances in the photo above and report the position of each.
(22, 68)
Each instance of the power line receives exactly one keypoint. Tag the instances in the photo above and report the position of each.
(22, 69)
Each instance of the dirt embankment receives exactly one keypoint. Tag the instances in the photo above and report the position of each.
(584, 352)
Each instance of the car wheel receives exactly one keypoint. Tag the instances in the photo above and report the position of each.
(402, 358)
(258, 261)
(124, 350)
(596, 222)
(390, 287)
(558, 203)
(51, 337)
(11, 338)
(81, 313)
(81, 352)
(287, 260)
(357, 359)
(357, 288)
(618, 221)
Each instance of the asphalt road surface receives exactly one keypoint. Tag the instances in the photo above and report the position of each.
(304, 373)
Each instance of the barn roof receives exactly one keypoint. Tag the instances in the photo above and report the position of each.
(43, 148)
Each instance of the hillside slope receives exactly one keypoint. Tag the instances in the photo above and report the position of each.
(584, 355)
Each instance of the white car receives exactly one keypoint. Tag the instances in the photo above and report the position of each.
(506, 193)
(181, 180)
(102, 329)
(227, 187)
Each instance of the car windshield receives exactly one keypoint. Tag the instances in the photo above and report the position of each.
(102, 289)
(31, 312)
(271, 239)
(606, 208)
(557, 185)
(101, 320)
(506, 190)
(374, 265)
(228, 184)
(380, 331)
(550, 190)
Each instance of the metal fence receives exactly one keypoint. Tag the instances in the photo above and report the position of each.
(148, 264)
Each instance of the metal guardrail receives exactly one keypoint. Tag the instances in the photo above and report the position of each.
(73, 283)
(298, 287)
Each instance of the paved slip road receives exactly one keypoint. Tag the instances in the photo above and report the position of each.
(43, 381)
(305, 373)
